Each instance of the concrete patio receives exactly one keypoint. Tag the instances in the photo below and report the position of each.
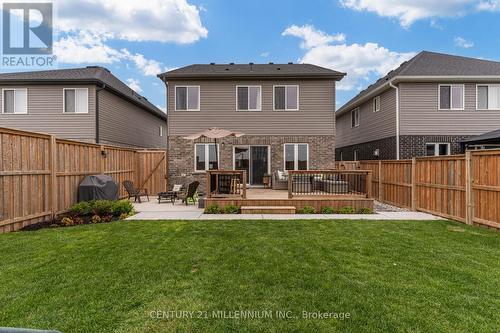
(166, 211)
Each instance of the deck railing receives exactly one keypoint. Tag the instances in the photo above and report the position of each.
(226, 183)
(327, 183)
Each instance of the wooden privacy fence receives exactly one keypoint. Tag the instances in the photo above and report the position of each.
(40, 174)
(465, 188)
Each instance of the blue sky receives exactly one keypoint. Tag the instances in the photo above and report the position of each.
(362, 37)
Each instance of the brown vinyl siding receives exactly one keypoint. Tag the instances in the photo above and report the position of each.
(372, 125)
(45, 113)
(420, 114)
(218, 109)
(124, 123)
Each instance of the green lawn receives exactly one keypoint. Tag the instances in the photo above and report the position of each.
(389, 276)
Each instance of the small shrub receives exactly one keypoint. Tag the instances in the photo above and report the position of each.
(103, 207)
(82, 208)
(212, 209)
(96, 219)
(347, 210)
(79, 220)
(365, 210)
(307, 210)
(67, 222)
(231, 209)
(328, 210)
(122, 207)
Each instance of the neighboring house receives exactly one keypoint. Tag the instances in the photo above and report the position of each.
(426, 107)
(286, 111)
(86, 104)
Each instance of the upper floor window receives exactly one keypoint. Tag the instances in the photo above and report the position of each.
(15, 101)
(206, 156)
(248, 98)
(355, 117)
(187, 98)
(437, 149)
(376, 104)
(296, 156)
(451, 97)
(488, 97)
(286, 98)
(76, 100)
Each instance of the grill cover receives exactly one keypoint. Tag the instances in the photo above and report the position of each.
(98, 187)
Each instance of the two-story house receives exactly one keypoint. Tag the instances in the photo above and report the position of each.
(85, 104)
(428, 106)
(285, 111)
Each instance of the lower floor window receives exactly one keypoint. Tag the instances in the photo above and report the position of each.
(437, 149)
(206, 157)
(296, 156)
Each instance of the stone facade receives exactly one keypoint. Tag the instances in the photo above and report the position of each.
(181, 154)
(386, 147)
(410, 146)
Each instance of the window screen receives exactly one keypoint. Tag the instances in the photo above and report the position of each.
(279, 98)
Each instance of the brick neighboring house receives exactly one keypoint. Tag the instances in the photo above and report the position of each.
(286, 111)
(430, 105)
(86, 104)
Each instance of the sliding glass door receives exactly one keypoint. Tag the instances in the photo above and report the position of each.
(254, 160)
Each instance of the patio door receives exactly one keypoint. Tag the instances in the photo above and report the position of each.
(254, 160)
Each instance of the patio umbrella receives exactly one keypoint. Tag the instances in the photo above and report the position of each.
(214, 133)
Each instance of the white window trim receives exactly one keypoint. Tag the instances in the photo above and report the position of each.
(187, 98)
(374, 104)
(451, 96)
(359, 117)
(477, 95)
(3, 101)
(248, 94)
(296, 156)
(86, 101)
(436, 147)
(207, 162)
(286, 98)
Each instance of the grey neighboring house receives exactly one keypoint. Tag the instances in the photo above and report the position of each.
(286, 111)
(430, 105)
(85, 104)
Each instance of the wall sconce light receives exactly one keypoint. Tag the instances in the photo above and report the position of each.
(104, 153)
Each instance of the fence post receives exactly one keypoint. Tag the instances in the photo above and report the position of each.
(380, 180)
(102, 160)
(414, 184)
(53, 175)
(469, 200)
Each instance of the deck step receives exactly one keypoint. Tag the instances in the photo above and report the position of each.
(268, 210)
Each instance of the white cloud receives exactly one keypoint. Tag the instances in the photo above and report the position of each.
(489, 5)
(85, 47)
(132, 20)
(462, 42)
(312, 37)
(163, 108)
(134, 85)
(360, 61)
(410, 11)
(264, 54)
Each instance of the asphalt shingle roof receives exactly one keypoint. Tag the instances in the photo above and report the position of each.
(91, 74)
(489, 136)
(432, 64)
(252, 71)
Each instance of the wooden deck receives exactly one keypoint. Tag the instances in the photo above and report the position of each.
(268, 197)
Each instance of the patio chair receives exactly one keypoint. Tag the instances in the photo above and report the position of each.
(170, 195)
(190, 193)
(134, 192)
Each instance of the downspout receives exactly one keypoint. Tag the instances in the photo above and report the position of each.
(97, 136)
(397, 118)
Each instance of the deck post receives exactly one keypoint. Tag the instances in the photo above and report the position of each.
(208, 185)
(290, 175)
(369, 184)
(244, 184)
